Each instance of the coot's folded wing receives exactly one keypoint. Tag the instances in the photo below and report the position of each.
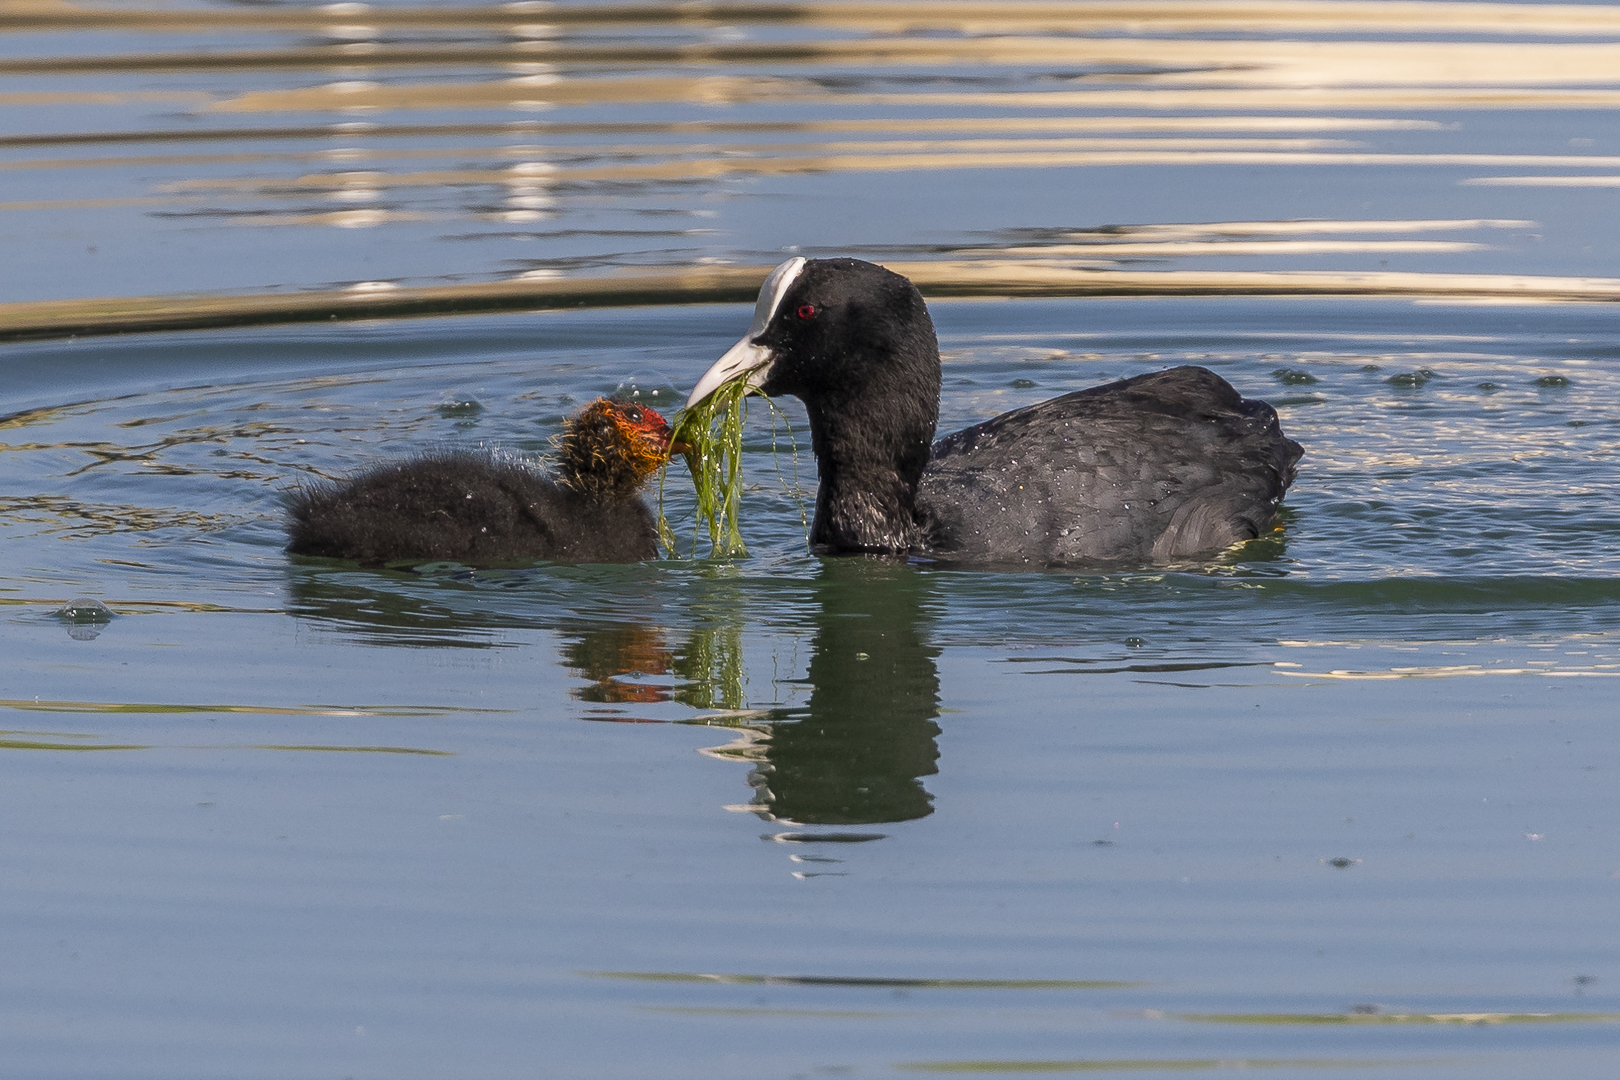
(1155, 468)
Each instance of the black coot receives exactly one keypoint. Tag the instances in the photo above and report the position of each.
(1151, 469)
(474, 507)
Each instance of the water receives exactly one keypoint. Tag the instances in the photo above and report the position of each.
(1336, 802)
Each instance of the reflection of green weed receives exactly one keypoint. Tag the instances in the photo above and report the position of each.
(711, 669)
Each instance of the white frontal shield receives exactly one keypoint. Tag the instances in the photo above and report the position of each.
(745, 356)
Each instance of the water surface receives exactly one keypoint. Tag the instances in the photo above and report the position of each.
(1339, 801)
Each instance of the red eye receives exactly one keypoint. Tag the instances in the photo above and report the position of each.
(807, 311)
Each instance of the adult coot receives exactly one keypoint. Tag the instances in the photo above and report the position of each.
(1150, 469)
(478, 508)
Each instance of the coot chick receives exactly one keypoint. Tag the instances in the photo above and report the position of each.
(1151, 469)
(475, 507)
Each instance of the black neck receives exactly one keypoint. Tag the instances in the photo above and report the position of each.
(871, 460)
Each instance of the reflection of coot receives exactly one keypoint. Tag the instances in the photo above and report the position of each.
(477, 508)
(856, 754)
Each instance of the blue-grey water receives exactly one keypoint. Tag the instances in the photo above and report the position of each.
(1340, 801)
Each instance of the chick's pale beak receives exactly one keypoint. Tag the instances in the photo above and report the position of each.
(742, 358)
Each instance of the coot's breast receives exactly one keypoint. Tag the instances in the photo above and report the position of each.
(1149, 469)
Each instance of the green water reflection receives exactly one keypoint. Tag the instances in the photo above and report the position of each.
(857, 752)
(858, 748)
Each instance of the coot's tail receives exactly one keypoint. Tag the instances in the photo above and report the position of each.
(1258, 464)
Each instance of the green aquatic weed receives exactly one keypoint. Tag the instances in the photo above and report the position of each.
(711, 433)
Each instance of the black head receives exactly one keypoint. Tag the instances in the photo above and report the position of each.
(829, 331)
(847, 329)
(854, 342)
(847, 338)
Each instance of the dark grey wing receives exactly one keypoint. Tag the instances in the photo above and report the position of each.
(1149, 469)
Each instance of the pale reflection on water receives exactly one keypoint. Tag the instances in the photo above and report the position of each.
(460, 146)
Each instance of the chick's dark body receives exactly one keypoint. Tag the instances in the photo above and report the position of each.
(467, 507)
(476, 507)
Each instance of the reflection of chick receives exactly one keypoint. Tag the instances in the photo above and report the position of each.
(603, 654)
(472, 507)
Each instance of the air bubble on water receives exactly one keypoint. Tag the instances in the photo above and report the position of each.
(652, 389)
(85, 618)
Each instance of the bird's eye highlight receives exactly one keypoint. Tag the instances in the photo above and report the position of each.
(807, 311)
